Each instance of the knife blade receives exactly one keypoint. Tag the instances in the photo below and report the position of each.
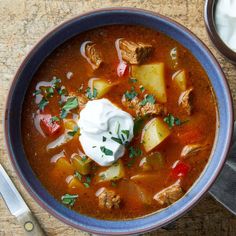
(17, 206)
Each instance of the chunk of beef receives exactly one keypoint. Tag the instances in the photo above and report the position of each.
(134, 53)
(185, 100)
(169, 195)
(135, 108)
(93, 55)
(108, 199)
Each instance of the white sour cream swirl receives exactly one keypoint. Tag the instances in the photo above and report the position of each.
(100, 123)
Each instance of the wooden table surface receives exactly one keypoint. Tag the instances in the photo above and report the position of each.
(23, 23)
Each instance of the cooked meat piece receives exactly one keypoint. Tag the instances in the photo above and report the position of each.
(192, 149)
(134, 53)
(108, 199)
(169, 195)
(185, 100)
(148, 109)
(93, 55)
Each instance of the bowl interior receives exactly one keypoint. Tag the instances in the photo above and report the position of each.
(57, 37)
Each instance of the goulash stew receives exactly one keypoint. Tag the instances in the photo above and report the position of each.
(119, 122)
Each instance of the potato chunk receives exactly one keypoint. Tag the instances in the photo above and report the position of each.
(114, 172)
(81, 163)
(179, 78)
(154, 132)
(152, 77)
(102, 86)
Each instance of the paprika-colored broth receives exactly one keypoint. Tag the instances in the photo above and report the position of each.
(175, 162)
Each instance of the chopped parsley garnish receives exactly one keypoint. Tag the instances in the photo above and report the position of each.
(69, 199)
(104, 138)
(91, 94)
(172, 121)
(55, 81)
(86, 185)
(78, 175)
(71, 103)
(43, 103)
(75, 130)
(133, 80)
(106, 151)
(94, 146)
(129, 95)
(142, 89)
(54, 119)
(62, 91)
(125, 132)
(36, 92)
(84, 158)
(148, 99)
(88, 179)
(118, 140)
(134, 152)
(49, 92)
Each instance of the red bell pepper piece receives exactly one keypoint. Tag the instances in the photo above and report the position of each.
(122, 69)
(49, 127)
(180, 169)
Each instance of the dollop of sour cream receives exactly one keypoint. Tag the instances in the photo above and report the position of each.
(104, 131)
(225, 18)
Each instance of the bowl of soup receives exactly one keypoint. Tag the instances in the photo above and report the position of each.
(118, 121)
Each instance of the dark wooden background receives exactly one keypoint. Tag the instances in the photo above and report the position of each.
(23, 23)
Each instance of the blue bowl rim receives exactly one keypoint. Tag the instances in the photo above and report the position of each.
(194, 200)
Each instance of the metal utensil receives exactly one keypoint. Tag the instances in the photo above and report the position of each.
(17, 206)
(224, 189)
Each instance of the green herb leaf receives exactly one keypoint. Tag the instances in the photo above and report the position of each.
(88, 179)
(71, 103)
(69, 199)
(55, 81)
(129, 95)
(86, 185)
(49, 92)
(54, 119)
(172, 121)
(62, 91)
(91, 94)
(75, 130)
(133, 80)
(43, 103)
(125, 132)
(142, 89)
(118, 140)
(104, 138)
(36, 92)
(84, 158)
(148, 99)
(106, 151)
(78, 175)
(134, 152)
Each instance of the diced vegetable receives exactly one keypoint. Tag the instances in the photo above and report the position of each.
(154, 132)
(81, 163)
(180, 80)
(152, 78)
(180, 169)
(48, 125)
(102, 86)
(69, 199)
(62, 168)
(122, 69)
(114, 172)
(75, 183)
(153, 161)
